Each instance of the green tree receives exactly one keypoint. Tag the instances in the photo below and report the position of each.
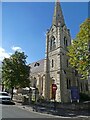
(15, 72)
(79, 50)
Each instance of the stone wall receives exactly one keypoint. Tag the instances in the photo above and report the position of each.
(75, 106)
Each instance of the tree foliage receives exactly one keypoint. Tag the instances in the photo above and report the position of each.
(79, 50)
(15, 72)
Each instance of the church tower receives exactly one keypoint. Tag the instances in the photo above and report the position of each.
(56, 66)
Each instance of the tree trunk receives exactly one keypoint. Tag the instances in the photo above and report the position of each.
(12, 93)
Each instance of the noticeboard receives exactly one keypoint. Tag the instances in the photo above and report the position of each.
(74, 93)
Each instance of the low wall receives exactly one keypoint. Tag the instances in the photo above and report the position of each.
(74, 106)
(17, 98)
(69, 106)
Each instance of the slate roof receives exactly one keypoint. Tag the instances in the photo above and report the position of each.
(37, 67)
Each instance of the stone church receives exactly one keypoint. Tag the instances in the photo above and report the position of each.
(55, 68)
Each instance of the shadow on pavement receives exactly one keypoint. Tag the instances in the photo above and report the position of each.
(62, 112)
(69, 113)
(11, 103)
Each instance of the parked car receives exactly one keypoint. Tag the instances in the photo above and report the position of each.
(5, 97)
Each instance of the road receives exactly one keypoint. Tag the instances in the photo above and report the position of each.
(14, 111)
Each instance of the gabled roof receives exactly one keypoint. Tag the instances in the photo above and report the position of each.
(37, 67)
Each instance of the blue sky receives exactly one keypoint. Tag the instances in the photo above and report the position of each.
(25, 24)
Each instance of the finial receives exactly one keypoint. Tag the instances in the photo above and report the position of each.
(57, 0)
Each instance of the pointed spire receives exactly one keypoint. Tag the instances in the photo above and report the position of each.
(58, 16)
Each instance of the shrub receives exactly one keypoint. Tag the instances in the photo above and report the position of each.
(41, 99)
(84, 97)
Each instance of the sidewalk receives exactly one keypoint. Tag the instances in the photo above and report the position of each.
(58, 112)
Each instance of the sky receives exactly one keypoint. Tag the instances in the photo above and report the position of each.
(24, 26)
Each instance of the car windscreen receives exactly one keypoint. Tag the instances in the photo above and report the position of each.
(4, 94)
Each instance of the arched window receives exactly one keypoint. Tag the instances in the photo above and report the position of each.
(65, 42)
(68, 83)
(52, 43)
(52, 63)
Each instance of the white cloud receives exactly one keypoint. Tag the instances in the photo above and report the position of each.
(17, 49)
(3, 54)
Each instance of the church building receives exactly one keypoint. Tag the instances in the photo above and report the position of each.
(55, 68)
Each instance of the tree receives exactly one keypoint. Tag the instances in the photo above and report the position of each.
(79, 50)
(15, 72)
(0, 75)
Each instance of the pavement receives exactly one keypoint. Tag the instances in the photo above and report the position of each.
(58, 112)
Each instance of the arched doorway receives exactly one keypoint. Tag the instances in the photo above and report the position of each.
(52, 81)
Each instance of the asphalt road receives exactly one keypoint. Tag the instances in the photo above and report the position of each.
(14, 111)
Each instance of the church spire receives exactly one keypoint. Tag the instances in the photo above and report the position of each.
(58, 16)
